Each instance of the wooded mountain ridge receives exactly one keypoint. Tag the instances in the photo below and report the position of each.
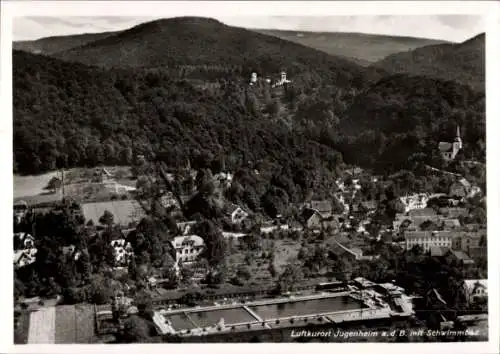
(461, 62)
(362, 48)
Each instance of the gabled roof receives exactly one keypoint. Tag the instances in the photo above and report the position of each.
(307, 213)
(417, 234)
(369, 204)
(422, 212)
(438, 296)
(178, 241)
(323, 206)
(471, 284)
(451, 223)
(454, 212)
(460, 255)
(438, 251)
(445, 147)
(230, 208)
(464, 183)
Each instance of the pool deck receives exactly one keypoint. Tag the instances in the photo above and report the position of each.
(369, 311)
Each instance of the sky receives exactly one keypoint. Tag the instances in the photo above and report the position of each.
(453, 28)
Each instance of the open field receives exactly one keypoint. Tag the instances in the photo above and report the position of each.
(124, 211)
(25, 186)
(79, 175)
(77, 183)
(42, 326)
(74, 324)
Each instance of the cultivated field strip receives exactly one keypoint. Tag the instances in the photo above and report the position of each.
(42, 326)
(85, 323)
(65, 330)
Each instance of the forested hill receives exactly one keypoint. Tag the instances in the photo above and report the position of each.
(68, 114)
(361, 48)
(462, 62)
(405, 115)
(56, 44)
(204, 41)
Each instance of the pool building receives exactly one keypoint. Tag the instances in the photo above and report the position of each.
(362, 301)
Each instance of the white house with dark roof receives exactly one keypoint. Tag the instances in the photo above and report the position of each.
(24, 240)
(122, 251)
(187, 248)
(476, 289)
(235, 213)
(414, 201)
(24, 257)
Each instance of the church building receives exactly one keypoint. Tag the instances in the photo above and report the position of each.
(450, 150)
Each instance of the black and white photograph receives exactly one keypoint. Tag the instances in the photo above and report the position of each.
(223, 177)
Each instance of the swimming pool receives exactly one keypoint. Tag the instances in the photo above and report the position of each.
(306, 307)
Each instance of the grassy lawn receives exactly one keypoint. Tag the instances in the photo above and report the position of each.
(27, 186)
(31, 188)
(80, 175)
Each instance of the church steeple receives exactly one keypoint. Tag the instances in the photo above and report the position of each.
(458, 138)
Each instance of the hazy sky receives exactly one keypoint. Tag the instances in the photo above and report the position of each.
(455, 28)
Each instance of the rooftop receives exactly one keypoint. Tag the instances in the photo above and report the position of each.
(438, 251)
(323, 206)
(422, 212)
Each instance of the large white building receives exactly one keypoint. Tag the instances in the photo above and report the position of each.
(187, 248)
(428, 239)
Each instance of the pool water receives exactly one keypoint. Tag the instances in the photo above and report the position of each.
(212, 317)
(307, 307)
(180, 321)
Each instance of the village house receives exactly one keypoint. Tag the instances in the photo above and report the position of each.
(122, 251)
(438, 251)
(187, 248)
(353, 253)
(463, 189)
(71, 251)
(185, 228)
(453, 213)
(451, 224)
(476, 290)
(466, 240)
(20, 210)
(478, 253)
(414, 218)
(323, 207)
(311, 218)
(428, 239)
(460, 257)
(235, 213)
(24, 249)
(24, 257)
(414, 201)
(23, 240)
